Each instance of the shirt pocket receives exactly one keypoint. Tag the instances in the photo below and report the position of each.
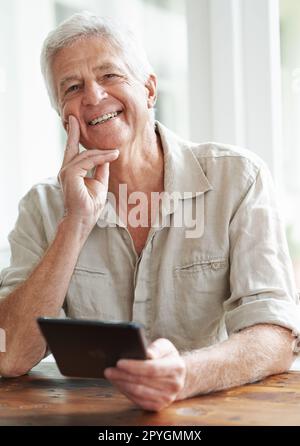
(200, 288)
(90, 294)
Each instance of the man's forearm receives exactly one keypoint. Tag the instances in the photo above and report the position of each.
(42, 294)
(247, 356)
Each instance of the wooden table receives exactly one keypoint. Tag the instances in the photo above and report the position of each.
(45, 397)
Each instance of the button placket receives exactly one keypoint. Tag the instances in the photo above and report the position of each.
(141, 310)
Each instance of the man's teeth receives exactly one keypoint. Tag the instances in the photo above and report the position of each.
(103, 118)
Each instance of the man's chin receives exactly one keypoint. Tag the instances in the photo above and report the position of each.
(111, 143)
(98, 147)
(89, 145)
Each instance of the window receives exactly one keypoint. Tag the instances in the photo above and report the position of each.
(290, 61)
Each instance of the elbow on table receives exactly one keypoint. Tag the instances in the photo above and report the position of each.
(282, 349)
(11, 369)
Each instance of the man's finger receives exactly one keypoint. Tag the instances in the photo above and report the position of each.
(102, 171)
(72, 145)
(138, 392)
(82, 166)
(153, 368)
(146, 405)
(115, 374)
(159, 348)
(84, 157)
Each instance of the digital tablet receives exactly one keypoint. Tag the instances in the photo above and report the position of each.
(84, 348)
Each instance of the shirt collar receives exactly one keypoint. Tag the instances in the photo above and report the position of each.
(183, 174)
(182, 171)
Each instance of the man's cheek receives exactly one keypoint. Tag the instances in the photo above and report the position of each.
(86, 143)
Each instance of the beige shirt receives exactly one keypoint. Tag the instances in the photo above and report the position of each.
(195, 291)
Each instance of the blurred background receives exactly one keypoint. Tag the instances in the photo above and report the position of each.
(228, 70)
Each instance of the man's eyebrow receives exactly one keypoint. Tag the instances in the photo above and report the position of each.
(103, 67)
(65, 80)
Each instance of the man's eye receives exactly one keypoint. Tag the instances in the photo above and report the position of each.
(110, 75)
(72, 88)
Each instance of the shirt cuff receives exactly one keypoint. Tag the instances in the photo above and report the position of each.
(265, 311)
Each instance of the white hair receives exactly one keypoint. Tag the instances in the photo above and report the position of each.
(84, 25)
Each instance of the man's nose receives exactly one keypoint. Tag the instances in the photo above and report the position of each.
(93, 93)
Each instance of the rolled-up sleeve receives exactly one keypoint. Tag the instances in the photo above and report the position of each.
(27, 244)
(261, 274)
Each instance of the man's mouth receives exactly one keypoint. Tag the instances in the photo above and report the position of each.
(104, 118)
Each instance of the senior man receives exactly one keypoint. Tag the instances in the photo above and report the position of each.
(219, 305)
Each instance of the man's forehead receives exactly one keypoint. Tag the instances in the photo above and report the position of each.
(70, 61)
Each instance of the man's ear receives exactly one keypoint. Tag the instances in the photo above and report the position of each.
(151, 86)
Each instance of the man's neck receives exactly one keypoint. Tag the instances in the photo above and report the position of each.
(141, 168)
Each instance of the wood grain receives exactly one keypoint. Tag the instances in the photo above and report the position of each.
(45, 397)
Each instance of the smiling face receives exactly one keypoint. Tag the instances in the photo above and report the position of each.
(93, 84)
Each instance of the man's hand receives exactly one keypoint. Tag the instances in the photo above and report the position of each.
(84, 198)
(154, 383)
